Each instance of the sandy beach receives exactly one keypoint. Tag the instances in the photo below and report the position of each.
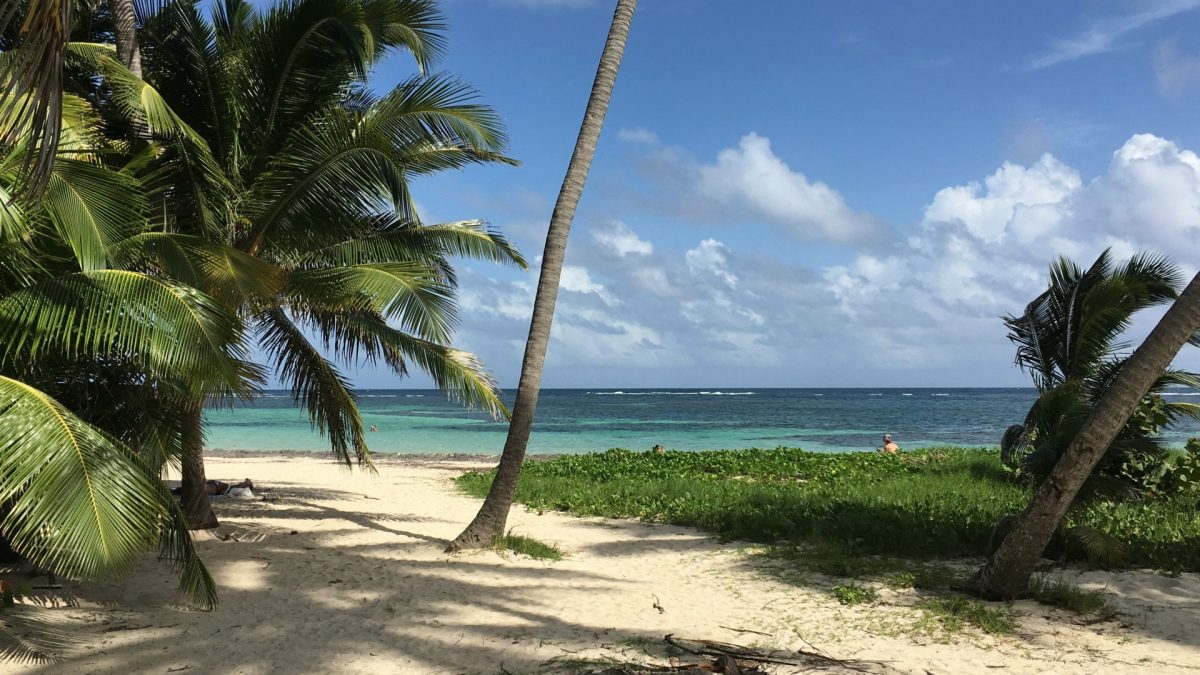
(330, 570)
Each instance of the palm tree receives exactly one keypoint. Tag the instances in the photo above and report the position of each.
(493, 515)
(1069, 339)
(34, 37)
(125, 35)
(79, 476)
(1007, 572)
(307, 173)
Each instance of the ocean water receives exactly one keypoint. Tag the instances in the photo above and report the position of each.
(580, 420)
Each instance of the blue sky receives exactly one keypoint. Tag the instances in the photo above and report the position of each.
(818, 193)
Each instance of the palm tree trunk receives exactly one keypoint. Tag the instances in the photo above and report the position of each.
(493, 515)
(125, 32)
(1006, 574)
(197, 510)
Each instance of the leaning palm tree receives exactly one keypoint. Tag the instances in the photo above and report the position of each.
(1006, 574)
(305, 172)
(1070, 340)
(490, 521)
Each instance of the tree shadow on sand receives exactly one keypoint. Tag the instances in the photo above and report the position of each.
(315, 557)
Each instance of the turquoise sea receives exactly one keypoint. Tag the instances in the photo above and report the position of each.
(582, 420)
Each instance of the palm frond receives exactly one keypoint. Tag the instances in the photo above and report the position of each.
(460, 374)
(235, 278)
(316, 383)
(93, 209)
(175, 330)
(410, 293)
(32, 82)
(395, 242)
(437, 110)
(82, 504)
(413, 25)
(1100, 548)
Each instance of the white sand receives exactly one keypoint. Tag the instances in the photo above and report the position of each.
(363, 586)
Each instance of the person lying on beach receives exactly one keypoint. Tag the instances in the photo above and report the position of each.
(889, 446)
(242, 489)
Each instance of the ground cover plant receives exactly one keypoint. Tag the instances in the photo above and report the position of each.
(954, 612)
(933, 503)
(523, 545)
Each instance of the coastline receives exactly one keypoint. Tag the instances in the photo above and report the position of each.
(399, 458)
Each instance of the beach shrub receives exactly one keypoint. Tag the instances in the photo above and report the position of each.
(935, 503)
(955, 612)
(852, 593)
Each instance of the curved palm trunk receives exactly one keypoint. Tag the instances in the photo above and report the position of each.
(1006, 574)
(125, 32)
(493, 515)
(197, 510)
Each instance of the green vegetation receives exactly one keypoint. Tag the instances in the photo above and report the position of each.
(1069, 339)
(936, 503)
(1058, 593)
(529, 546)
(954, 612)
(852, 593)
(246, 182)
(846, 562)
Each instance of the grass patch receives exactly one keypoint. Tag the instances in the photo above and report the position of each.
(522, 545)
(954, 612)
(925, 504)
(846, 562)
(851, 593)
(1058, 593)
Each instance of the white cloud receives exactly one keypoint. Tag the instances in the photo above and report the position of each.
(926, 310)
(577, 280)
(621, 240)
(711, 257)
(1177, 73)
(982, 249)
(637, 135)
(1103, 34)
(755, 183)
(1012, 193)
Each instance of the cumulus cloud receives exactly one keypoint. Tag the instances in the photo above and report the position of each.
(925, 310)
(1104, 35)
(1028, 195)
(577, 279)
(621, 240)
(982, 249)
(711, 257)
(753, 181)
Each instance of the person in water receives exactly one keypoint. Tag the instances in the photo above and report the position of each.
(889, 446)
(374, 428)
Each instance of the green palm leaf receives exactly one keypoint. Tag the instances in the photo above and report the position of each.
(315, 382)
(31, 79)
(82, 504)
(223, 272)
(93, 209)
(461, 375)
(174, 329)
(408, 292)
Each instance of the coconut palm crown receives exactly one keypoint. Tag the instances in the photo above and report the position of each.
(1071, 340)
(309, 172)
